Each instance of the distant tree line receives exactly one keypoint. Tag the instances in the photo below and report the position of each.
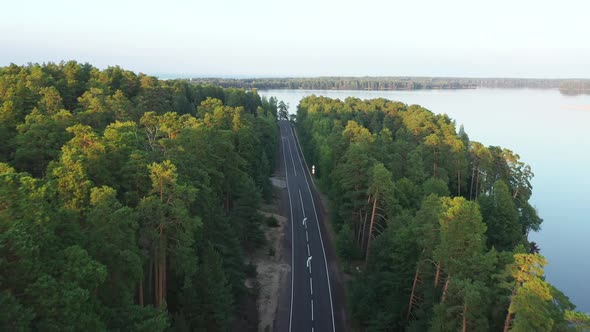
(575, 87)
(128, 203)
(337, 83)
(432, 225)
(390, 83)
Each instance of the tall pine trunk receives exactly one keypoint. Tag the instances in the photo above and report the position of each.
(445, 289)
(364, 227)
(359, 229)
(141, 292)
(509, 314)
(150, 294)
(161, 262)
(477, 183)
(464, 326)
(164, 274)
(371, 226)
(471, 187)
(160, 270)
(363, 237)
(156, 279)
(437, 275)
(414, 284)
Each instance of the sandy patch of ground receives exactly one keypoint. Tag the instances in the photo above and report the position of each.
(270, 270)
(278, 182)
(271, 266)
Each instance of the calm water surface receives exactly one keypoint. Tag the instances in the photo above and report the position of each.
(550, 132)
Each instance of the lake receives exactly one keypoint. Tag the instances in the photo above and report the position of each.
(550, 132)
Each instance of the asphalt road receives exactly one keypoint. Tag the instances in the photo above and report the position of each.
(311, 306)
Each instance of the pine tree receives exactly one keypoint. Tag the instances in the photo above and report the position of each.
(500, 215)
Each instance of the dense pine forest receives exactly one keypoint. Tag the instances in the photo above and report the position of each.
(127, 203)
(432, 226)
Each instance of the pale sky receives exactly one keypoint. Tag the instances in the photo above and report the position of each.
(275, 38)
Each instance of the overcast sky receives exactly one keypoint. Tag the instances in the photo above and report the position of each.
(516, 38)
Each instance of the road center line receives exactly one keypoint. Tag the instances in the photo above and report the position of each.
(302, 207)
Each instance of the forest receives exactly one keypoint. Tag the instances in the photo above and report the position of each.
(396, 83)
(575, 87)
(338, 83)
(128, 203)
(431, 226)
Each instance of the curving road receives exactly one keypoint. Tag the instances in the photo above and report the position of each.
(310, 302)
